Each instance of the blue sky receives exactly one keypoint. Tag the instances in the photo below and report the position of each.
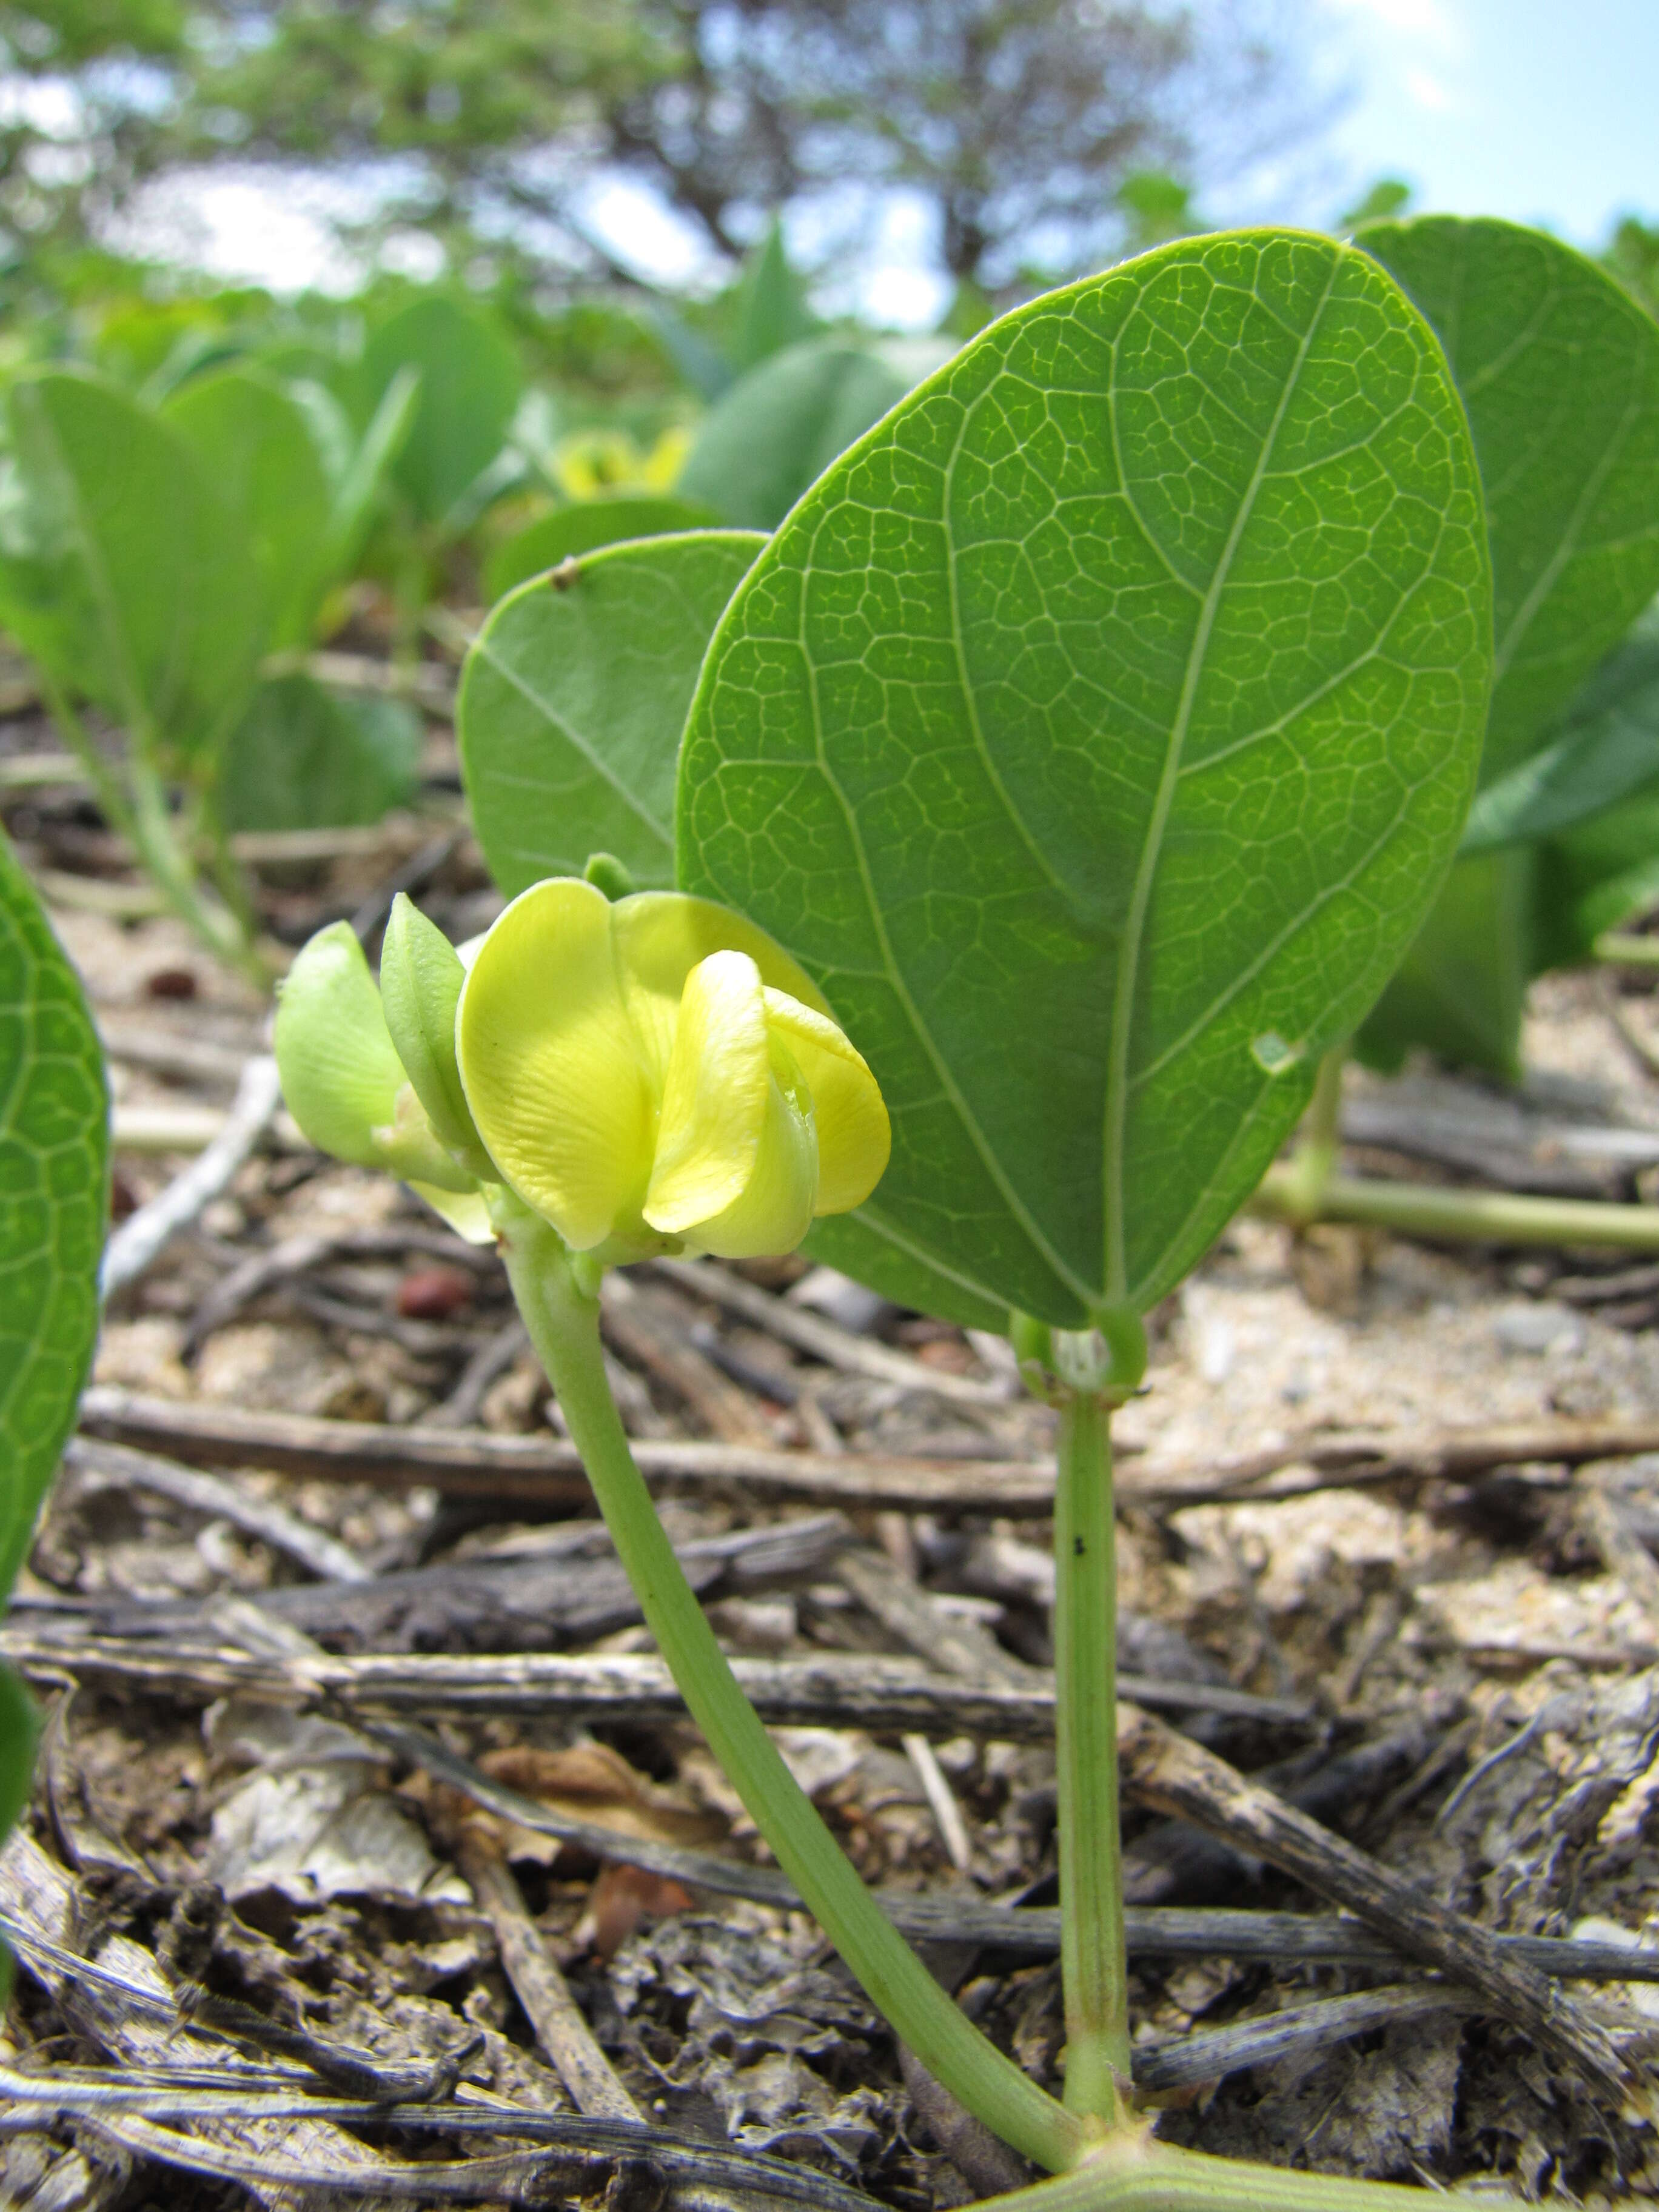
(1542, 110)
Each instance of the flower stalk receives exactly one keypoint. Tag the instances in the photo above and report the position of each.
(557, 1297)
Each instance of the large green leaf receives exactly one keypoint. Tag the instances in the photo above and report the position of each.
(1560, 372)
(304, 758)
(119, 570)
(770, 433)
(573, 699)
(54, 1116)
(469, 386)
(18, 1726)
(1593, 877)
(1461, 993)
(258, 453)
(53, 1163)
(1607, 747)
(1558, 369)
(1096, 732)
(583, 528)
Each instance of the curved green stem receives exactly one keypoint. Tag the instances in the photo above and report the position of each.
(168, 860)
(1093, 1964)
(106, 785)
(557, 1301)
(138, 810)
(1464, 1217)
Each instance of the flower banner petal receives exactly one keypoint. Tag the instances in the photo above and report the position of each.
(551, 1063)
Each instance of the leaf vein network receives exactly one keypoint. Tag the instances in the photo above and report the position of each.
(1016, 1204)
(1117, 1069)
(572, 736)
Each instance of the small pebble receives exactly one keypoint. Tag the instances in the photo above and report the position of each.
(434, 1293)
(1533, 1328)
(171, 983)
(1217, 1348)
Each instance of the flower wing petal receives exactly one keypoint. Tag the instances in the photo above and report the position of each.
(715, 1101)
(854, 1135)
(551, 1065)
(661, 937)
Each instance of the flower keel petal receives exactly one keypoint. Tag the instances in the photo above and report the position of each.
(716, 1097)
(855, 1135)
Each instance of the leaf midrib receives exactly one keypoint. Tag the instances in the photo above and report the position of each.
(1566, 549)
(1129, 948)
(487, 653)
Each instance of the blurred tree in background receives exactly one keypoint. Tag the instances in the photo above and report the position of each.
(1017, 122)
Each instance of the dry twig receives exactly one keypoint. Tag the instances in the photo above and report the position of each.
(563, 2033)
(141, 1240)
(1176, 1775)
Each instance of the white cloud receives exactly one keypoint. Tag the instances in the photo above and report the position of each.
(1426, 89)
(1432, 22)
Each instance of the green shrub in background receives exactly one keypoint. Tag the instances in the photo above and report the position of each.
(162, 632)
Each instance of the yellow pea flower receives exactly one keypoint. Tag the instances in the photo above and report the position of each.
(657, 1073)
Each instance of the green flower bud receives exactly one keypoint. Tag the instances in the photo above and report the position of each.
(421, 979)
(343, 1081)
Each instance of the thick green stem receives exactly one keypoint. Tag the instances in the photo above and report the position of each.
(1623, 948)
(563, 1317)
(1093, 1964)
(1319, 1141)
(1130, 2172)
(1466, 1216)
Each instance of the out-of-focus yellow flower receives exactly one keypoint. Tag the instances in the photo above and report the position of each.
(596, 463)
(659, 1073)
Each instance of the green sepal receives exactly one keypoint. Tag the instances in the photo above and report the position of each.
(421, 979)
(607, 873)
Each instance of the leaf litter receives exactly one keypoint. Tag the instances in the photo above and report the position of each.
(1478, 1650)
